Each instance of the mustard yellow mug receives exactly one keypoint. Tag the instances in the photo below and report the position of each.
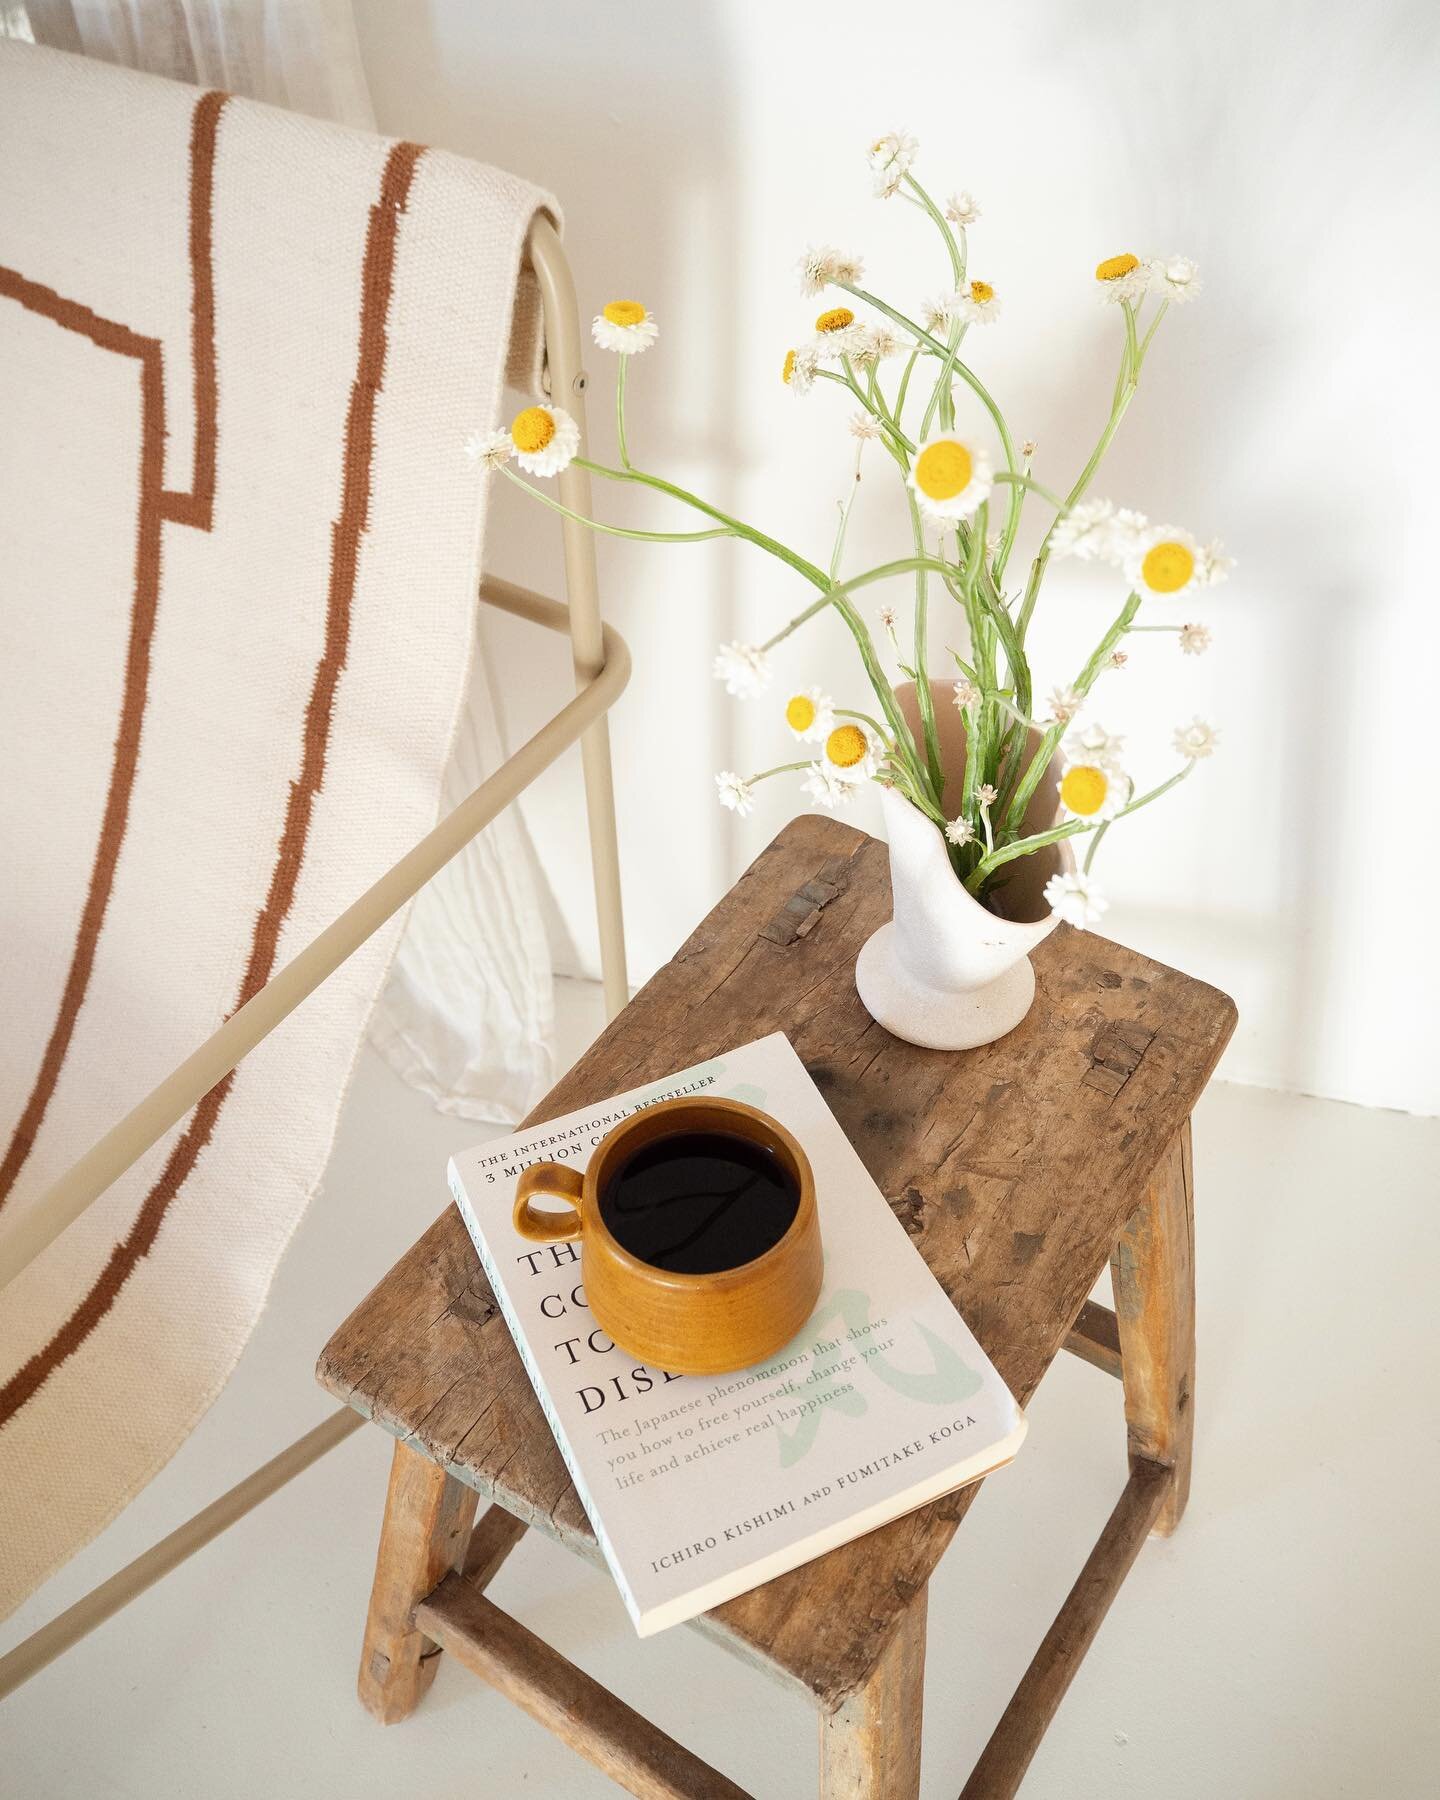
(699, 1234)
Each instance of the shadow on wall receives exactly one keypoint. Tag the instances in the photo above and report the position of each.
(639, 152)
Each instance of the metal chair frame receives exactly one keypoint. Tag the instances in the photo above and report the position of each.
(602, 668)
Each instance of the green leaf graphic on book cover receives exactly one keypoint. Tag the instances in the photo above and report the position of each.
(948, 1379)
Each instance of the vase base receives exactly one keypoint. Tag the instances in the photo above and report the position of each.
(939, 1018)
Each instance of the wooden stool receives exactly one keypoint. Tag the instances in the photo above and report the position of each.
(1017, 1170)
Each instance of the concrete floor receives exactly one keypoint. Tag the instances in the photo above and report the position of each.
(1283, 1644)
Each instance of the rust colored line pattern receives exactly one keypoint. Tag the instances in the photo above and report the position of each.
(157, 503)
(349, 528)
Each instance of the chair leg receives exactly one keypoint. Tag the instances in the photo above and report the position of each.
(870, 1746)
(1153, 1268)
(428, 1515)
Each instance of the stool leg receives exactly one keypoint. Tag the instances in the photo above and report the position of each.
(428, 1515)
(870, 1745)
(1153, 1269)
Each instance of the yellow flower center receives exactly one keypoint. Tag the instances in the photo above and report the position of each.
(1084, 788)
(943, 470)
(836, 319)
(533, 429)
(800, 712)
(623, 312)
(1167, 567)
(789, 368)
(981, 291)
(1114, 267)
(846, 746)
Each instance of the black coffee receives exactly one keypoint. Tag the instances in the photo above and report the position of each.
(698, 1201)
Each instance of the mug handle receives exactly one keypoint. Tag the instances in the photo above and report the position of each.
(557, 1181)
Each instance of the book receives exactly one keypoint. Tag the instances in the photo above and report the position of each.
(699, 1488)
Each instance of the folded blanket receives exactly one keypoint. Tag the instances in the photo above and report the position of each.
(240, 352)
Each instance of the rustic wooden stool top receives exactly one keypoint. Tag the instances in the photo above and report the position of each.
(1017, 1169)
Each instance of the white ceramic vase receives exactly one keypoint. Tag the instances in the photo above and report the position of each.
(945, 971)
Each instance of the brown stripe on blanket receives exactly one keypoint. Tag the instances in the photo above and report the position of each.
(376, 286)
(157, 503)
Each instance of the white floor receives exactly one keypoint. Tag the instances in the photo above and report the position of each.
(1283, 1644)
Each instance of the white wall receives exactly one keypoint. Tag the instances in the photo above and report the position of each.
(1288, 147)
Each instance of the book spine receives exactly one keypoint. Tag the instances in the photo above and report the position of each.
(522, 1344)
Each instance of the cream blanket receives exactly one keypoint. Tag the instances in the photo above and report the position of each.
(240, 352)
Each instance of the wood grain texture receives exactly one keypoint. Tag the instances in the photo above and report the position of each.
(427, 1522)
(1016, 1738)
(1095, 1338)
(1153, 1271)
(1011, 1169)
(565, 1700)
(870, 1743)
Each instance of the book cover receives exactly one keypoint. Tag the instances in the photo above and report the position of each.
(700, 1488)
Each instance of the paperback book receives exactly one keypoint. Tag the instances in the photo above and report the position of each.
(699, 1488)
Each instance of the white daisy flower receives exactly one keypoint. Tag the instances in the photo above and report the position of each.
(985, 795)
(734, 791)
(545, 439)
(810, 715)
(1078, 899)
(960, 832)
(887, 617)
(890, 157)
(1164, 560)
(1028, 448)
(1119, 658)
(1196, 740)
(1214, 564)
(1123, 278)
(1064, 704)
(798, 372)
(965, 693)
(1174, 278)
(868, 345)
(862, 425)
(1084, 531)
(849, 753)
(1093, 790)
(625, 327)
(826, 788)
(489, 448)
(1094, 744)
(1195, 640)
(950, 477)
(1126, 530)
(978, 305)
(822, 264)
(937, 315)
(960, 209)
(744, 668)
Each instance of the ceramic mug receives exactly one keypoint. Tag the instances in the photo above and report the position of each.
(684, 1323)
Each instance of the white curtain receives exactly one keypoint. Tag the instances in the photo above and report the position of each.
(468, 1013)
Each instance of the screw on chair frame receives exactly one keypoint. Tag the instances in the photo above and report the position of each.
(602, 668)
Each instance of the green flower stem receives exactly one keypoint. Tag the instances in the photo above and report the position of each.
(779, 769)
(904, 387)
(1073, 828)
(924, 699)
(1095, 843)
(1157, 628)
(816, 577)
(956, 250)
(1144, 350)
(847, 712)
(620, 409)
(845, 506)
(966, 374)
(1040, 761)
(1125, 386)
(1034, 487)
(620, 531)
